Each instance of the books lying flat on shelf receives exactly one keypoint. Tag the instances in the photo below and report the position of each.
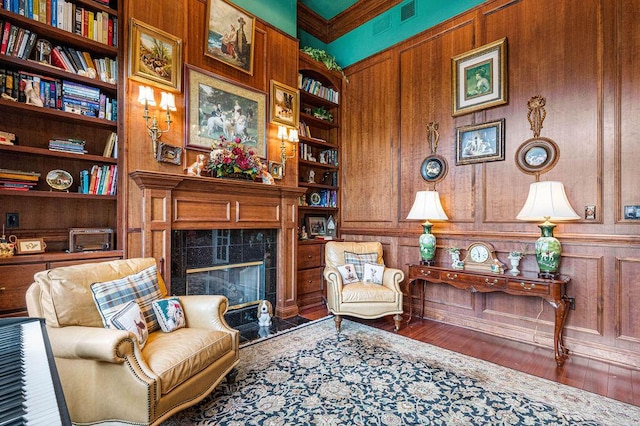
(68, 145)
(18, 179)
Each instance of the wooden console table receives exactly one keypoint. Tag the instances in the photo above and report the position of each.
(523, 284)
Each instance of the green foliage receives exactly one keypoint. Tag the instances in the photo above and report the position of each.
(322, 56)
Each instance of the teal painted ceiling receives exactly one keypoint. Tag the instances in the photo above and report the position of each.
(328, 8)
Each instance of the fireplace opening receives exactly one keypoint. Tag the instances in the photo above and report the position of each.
(240, 264)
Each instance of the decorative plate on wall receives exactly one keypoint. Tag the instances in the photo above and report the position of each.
(537, 155)
(433, 168)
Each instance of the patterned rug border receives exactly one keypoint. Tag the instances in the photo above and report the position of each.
(492, 376)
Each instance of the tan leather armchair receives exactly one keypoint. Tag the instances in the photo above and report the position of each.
(106, 377)
(361, 299)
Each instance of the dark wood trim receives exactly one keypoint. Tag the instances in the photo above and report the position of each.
(311, 22)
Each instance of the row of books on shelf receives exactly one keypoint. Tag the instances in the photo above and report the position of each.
(19, 42)
(95, 25)
(18, 180)
(99, 180)
(305, 131)
(59, 94)
(326, 156)
(317, 88)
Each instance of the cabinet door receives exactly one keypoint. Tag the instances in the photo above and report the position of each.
(14, 281)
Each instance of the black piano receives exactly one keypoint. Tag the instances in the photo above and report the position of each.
(30, 390)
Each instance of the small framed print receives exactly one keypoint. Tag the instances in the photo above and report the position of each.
(316, 225)
(537, 155)
(30, 246)
(480, 143)
(275, 169)
(433, 168)
(479, 78)
(169, 154)
(284, 105)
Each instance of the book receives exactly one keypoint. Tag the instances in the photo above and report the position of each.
(109, 145)
(31, 43)
(6, 30)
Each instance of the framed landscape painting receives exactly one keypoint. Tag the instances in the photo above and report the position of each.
(156, 56)
(230, 35)
(219, 107)
(479, 78)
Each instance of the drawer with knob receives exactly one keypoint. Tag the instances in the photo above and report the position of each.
(524, 286)
(310, 255)
(14, 281)
(477, 281)
(424, 272)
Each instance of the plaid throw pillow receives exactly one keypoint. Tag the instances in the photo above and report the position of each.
(141, 288)
(358, 261)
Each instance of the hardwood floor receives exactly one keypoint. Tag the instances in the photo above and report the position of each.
(610, 380)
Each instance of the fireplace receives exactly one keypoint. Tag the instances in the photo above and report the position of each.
(240, 264)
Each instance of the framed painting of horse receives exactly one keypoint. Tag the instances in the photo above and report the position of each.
(218, 107)
(229, 36)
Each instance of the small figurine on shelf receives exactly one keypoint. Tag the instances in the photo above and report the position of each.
(456, 263)
(312, 177)
(303, 234)
(267, 178)
(496, 267)
(31, 97)
(196, 168)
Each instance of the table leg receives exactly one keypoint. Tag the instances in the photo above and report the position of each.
(409, 286)
(561, 352)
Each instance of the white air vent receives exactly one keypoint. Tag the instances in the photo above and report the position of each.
(382, 24)
(408, 11)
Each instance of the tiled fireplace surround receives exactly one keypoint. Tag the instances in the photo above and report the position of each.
(170, 203)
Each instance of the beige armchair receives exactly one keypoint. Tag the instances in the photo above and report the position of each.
(106, 377)
(361, 299)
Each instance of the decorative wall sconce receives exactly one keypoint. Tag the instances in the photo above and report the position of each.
(291, 136)
(167, 102)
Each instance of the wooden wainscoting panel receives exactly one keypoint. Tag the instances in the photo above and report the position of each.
(201, 209)
(628, 299)
(250, 210)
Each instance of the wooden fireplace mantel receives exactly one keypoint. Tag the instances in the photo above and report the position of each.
(172, 201)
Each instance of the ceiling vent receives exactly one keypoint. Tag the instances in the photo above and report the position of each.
(382, 24)
(408, 11)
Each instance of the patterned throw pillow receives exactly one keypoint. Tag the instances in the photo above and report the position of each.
(141, 288)
(169, 314)
(358, 260)
(129, 317)
(348, 273)
(373, 273)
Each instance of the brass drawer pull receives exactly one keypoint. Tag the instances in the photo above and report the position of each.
(494, 282)
(3, 288)
(423, 272)
(455, 276)
(527, 286)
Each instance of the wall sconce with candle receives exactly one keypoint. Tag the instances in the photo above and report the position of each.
(292, 136)
(167, 102)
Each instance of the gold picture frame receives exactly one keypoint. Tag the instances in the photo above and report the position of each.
(284, 104)
(226, 38)
(479, 78)
(480, 143)
(156, 56)
(221, 107)
(29, 245)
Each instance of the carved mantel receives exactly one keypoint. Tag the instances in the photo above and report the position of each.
(172, 201)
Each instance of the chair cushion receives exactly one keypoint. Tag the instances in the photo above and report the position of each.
(130, 318)
(373, 273)
(169, 314)
(358, 260)
(176, 357)
(141, 288)
(348, 273)
(367, 292)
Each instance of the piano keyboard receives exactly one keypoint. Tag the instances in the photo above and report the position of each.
(30, 391)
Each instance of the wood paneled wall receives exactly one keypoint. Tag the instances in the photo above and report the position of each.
(583, 58)
(275, 57)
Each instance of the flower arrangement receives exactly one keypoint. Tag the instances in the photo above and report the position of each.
(231, 159)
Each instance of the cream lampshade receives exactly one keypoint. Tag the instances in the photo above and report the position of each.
(427, 206)
(547, 201)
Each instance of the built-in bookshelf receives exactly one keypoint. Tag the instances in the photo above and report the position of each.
(318, 170)
(59, 128)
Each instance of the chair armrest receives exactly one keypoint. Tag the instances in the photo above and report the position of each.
(206, 311)
(333, 277)
(392, 278)
(99, 344)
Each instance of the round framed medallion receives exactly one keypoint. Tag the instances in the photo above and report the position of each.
(537, 155)
(314, 199)
(433, 168)
(59, 179)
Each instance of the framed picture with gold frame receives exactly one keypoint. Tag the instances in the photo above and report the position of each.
(480, 143)
(229, 35)
(156, 56)
(221, 107)
(29, 245)
(285, 104)
(479, 78)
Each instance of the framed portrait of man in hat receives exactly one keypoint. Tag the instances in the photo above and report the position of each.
(230, 35)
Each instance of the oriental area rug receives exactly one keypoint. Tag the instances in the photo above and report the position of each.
(365, 376)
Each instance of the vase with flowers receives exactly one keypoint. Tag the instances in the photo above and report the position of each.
(232, 159)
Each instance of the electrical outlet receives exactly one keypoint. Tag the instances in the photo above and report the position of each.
(12, 220)
(572, 303)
